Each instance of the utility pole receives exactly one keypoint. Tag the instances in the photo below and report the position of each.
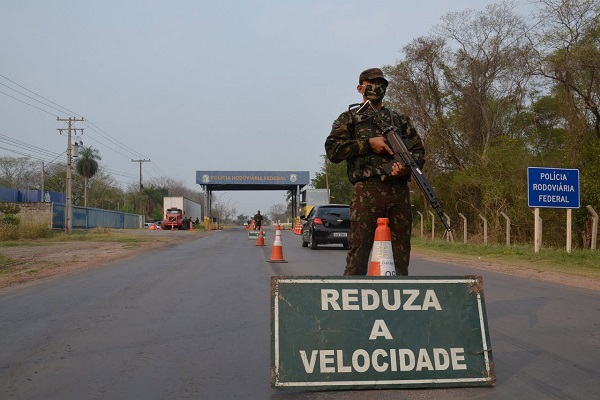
(141, 186)
(140, 161)
(42, 195)
(68, 212)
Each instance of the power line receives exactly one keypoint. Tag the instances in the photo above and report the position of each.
(24, 102)
(29, 97)
(61, 109)
(22, 154)
(102, 133)
(119, 173)
(90, 124)
(42, 97)
(23, 145)
(97, 135)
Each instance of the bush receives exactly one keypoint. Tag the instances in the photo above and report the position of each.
(30, 229)
(9, 232)
(27, 230)
(9, 214)
(6, 208)
(10, 219)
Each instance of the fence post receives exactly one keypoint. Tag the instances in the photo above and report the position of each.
(594, 227)
(507, 227)
(464, 227)
(421, 215)
(432, 225)
(484, 228)
(449, 235)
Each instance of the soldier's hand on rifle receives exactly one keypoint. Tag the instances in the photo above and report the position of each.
(379, 146)
(399, 170)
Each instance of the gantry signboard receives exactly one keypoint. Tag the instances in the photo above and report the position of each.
(252, 180)
(379, 332)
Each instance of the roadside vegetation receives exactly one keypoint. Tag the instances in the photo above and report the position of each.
(27, 254)
(31, 233)
(583, 263)
(492, 93)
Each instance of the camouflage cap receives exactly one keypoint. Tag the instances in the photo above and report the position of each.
(371, 74)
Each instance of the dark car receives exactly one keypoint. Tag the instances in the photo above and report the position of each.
(326, 224)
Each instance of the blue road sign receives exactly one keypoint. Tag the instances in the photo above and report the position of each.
(553, 187)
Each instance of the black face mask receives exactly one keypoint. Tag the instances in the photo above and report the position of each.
(375, 93)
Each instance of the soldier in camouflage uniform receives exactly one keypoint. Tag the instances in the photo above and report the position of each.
(358, 140)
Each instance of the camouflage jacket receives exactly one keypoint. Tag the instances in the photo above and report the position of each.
(349, 141)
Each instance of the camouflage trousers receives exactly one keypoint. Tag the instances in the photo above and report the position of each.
(374, 199)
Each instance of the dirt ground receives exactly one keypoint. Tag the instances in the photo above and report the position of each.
(33, 263)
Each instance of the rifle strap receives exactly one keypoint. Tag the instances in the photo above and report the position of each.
(391, 118)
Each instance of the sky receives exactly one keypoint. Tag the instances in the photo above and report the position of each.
(195, 85)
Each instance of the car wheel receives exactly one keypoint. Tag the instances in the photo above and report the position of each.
(304, 244)
(312, 243)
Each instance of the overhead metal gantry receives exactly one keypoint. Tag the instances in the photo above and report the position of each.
(292, 181)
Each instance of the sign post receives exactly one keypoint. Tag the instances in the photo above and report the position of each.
(379, 332)
(552, 188)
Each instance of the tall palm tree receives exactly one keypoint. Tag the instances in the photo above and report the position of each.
(87, 166)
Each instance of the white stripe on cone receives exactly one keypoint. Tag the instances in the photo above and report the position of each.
(277, 241)
(382, 260)
(277, 252)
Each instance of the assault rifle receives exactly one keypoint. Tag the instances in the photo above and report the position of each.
(403, 156)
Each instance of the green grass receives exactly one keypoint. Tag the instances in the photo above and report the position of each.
(92, 235)
(579, 262)
(98, 235)
(5, 261)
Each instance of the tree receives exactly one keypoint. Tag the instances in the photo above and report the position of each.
(340, 188)
(462, 86)
(277, 212)
(568, 53)
(241, 219)
(567, 57)
(177, 188)
(105, 192)
(155, 201)
(87, 166)
(55, 178)
(19, 173)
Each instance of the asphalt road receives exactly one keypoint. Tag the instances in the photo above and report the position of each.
(193, 322)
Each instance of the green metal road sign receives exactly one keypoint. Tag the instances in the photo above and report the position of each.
(379, 332)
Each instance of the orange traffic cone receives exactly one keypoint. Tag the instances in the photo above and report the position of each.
(382, 258)
(277, 253)
(172, 227)
(261, 238)
(191, 225)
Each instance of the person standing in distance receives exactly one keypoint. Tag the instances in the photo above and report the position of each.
(258, 220)
(358, 140)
